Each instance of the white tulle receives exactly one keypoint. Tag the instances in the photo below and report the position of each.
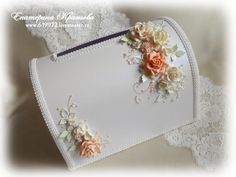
(204, 137)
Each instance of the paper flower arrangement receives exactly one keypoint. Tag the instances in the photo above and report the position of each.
(78, 135)
(152, 51)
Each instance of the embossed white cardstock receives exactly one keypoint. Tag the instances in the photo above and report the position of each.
(107, 95)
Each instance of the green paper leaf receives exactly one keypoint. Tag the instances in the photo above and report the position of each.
(72, 148)
(175, 47)
(179, 53)
(63, 134)
(124, 39)
(70, 128)
(88, 136)
(68, 137)
(139, 45)
(129, 42)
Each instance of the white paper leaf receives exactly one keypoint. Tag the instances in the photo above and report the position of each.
(143, 78)
(63, 113)
(137, 59)
(80, 130)
(74, 105)
(82, 127)
(62, 121)
(72, 115)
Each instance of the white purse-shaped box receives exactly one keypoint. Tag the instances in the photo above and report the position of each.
(107, 95)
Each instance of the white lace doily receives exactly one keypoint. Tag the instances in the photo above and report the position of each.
(204, 137)
(105, 22)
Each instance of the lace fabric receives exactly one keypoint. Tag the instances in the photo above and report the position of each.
(105, 22)
(205, 137)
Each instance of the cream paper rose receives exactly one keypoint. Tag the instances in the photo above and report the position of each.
(160, 37)
(141, 31)
(174, 74)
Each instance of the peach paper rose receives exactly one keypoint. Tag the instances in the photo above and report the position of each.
(90, 148)
(155, 63)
